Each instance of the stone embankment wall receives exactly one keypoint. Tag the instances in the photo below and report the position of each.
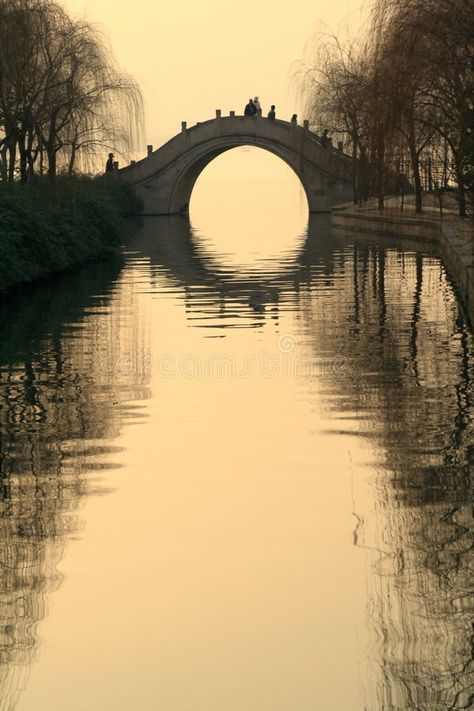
(454, 237)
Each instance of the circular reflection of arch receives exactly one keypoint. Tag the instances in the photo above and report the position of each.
(176, 253)
(249, 210)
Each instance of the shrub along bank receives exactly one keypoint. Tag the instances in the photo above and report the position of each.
(48, 227)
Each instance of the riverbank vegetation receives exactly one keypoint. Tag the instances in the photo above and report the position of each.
(47, 228)
(64, 105)
(401, 98)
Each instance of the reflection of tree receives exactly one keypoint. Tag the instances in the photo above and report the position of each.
(409, 386)
(59, 395)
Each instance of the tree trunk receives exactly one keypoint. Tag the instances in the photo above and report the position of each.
(51, 149)
(364, 176)
(462, 200)
(51, 153)
(72, 160)
(3, 164)
(415, 166)
(418, 185)
(29, 154)
(355, 174)
(460, 181)
(11, 161)
(23, 158)
(381, 175)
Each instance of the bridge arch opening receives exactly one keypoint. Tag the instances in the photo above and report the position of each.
(184, 186)
(248, 209)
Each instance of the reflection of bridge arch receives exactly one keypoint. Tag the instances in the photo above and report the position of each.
(164, 180)
(171, 245)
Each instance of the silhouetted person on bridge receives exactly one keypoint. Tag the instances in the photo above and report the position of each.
(271, 114)
(294, 119)
(325, 140)
(109, 166)
(250, 109)
(257, 105)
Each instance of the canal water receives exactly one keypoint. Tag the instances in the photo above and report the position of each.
(237, 469)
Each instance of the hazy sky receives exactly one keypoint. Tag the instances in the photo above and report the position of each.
(193, 57)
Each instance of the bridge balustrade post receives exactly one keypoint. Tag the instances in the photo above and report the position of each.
(339, 146)
(183, 126)
(232, 113)
(133, 162)
(149, 150)
(306, 124)
(218, 113)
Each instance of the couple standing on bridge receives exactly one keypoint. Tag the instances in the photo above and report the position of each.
(253, 108)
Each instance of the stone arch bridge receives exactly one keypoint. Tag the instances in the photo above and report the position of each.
(164, 180)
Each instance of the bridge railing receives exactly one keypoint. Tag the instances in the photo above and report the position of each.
(185, 129)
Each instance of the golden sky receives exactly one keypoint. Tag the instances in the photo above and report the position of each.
(193, 57)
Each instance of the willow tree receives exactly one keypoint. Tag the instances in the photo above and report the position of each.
(61, 94)
(334, 86)
(342, 91)
(450, 29)
(400, 53)
(430, 47)
(406, 89)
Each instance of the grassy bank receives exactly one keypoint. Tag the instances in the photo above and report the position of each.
(47, 228)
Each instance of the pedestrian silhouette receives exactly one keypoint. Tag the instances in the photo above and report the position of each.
(294, 119)
(109, 166)
(325, 140)
(271, 114)
(250, 109)
(257, 106)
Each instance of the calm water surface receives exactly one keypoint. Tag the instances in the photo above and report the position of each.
(237, 473)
